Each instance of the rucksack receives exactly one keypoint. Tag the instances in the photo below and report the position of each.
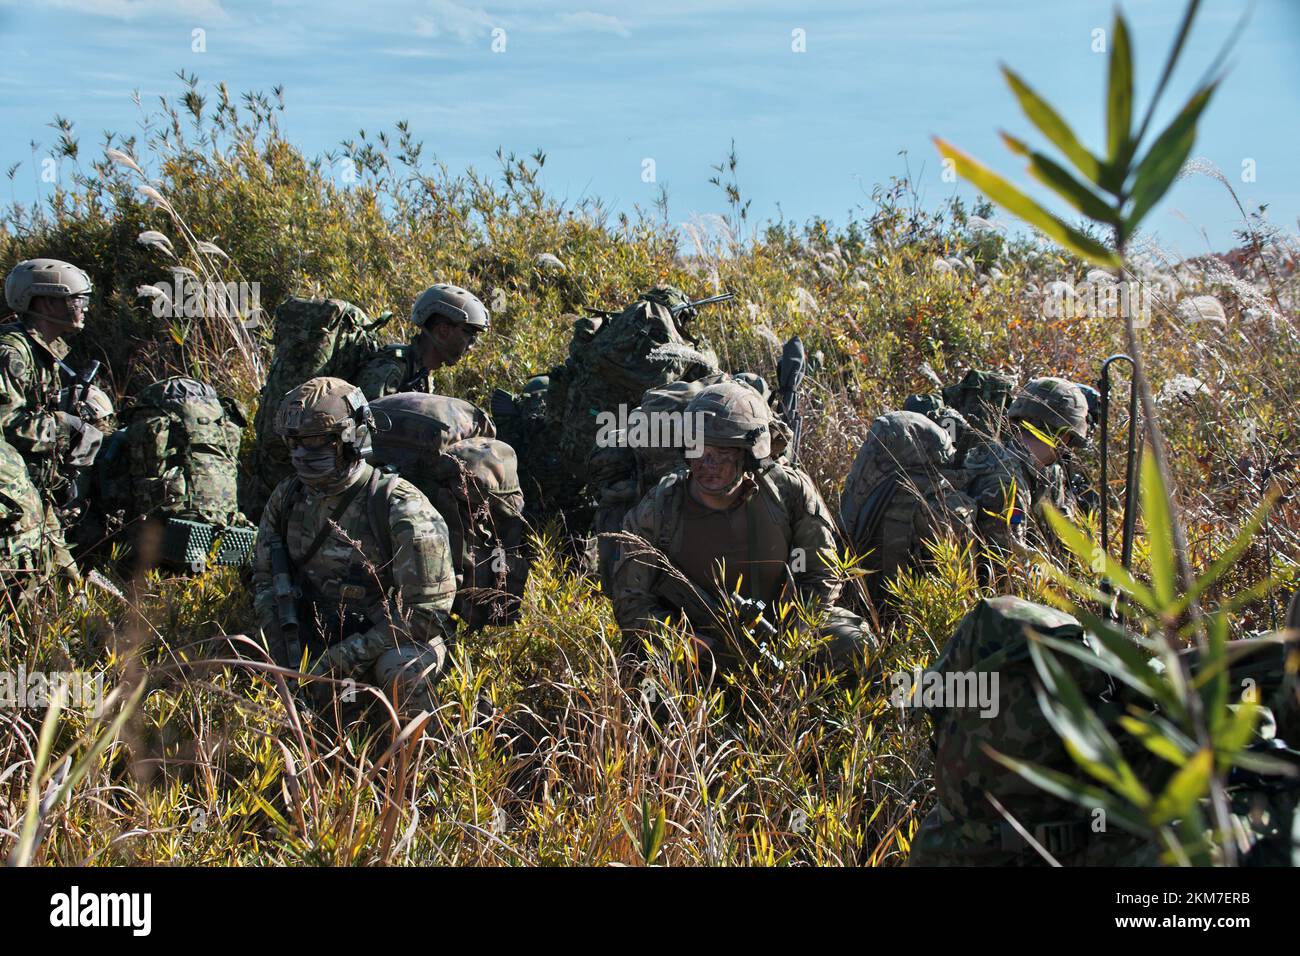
(182, 447)
(446, 448)
(982, 397)
(638, 349)
(312, 337)
(901, 493)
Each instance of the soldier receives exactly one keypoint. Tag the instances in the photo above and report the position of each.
(1011, 480)
(736, 524)
(450, 319)
(900, 495)
(352, 565)
(30, 539)
(990, 651)
(50, 298)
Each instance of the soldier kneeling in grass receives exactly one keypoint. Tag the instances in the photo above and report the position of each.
(353, 573)
(728, 542)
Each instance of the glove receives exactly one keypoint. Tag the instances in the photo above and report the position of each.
(80, 440)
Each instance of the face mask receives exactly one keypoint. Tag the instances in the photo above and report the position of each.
(321, 470)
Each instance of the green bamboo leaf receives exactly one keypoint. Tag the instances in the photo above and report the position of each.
(1188, 785)
(1086, 739)
(1056, 177)
(1135, 667)
(1075, 791)
(1214, 690)
(1119, 97)
(1008, 196)
(1235, 733)
(1154, 740)
(1051, 125)
(1184, 28)
(1163, 161)
(1088, 551)
(1160, 534)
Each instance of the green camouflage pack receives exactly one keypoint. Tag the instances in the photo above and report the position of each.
(312, 337)
(640, 348)
(473, 482)
(900, 494)
(982, 397)
(182, 447)
(965, 828)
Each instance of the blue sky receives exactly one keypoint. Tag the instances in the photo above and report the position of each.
(601, 87)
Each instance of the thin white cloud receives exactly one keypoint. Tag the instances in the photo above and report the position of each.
(205, 11)
(589, 21)
(449, 17)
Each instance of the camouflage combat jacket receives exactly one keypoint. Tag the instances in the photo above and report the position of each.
(783, 496)
(395, 368)
(1009, 491)
(29, 398)
(365, 588)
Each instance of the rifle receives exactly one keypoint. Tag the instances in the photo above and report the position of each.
(286, 603)
(83, 379)
(790, 373)
(705, 612)
(1130, 468)
(692, 306)
(601, 313)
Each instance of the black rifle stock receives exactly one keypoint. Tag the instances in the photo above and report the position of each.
(286, 604)
(790, 373)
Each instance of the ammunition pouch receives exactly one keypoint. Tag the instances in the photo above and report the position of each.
(187, 545)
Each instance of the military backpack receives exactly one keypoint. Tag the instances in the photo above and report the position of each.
(448, 449)
(312, 337)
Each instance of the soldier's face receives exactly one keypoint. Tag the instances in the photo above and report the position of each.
(719, 470)
(69, 310)
(446, 344)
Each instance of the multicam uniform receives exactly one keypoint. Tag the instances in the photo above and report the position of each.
(366, 551)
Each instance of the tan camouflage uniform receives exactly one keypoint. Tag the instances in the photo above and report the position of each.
(378, 622)
(799, 534)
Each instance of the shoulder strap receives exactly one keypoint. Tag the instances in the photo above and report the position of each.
(379, 506)
(324, 532)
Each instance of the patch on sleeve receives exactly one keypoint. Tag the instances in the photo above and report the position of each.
(429, 553)
(15, 364)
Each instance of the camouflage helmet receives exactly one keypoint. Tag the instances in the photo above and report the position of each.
(538, 383)
(1093, 398)
(735, 416)
(51, 277)
(93, 407)
(1057, 405)
(452, 303)
(668, 296)
(327, 406)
